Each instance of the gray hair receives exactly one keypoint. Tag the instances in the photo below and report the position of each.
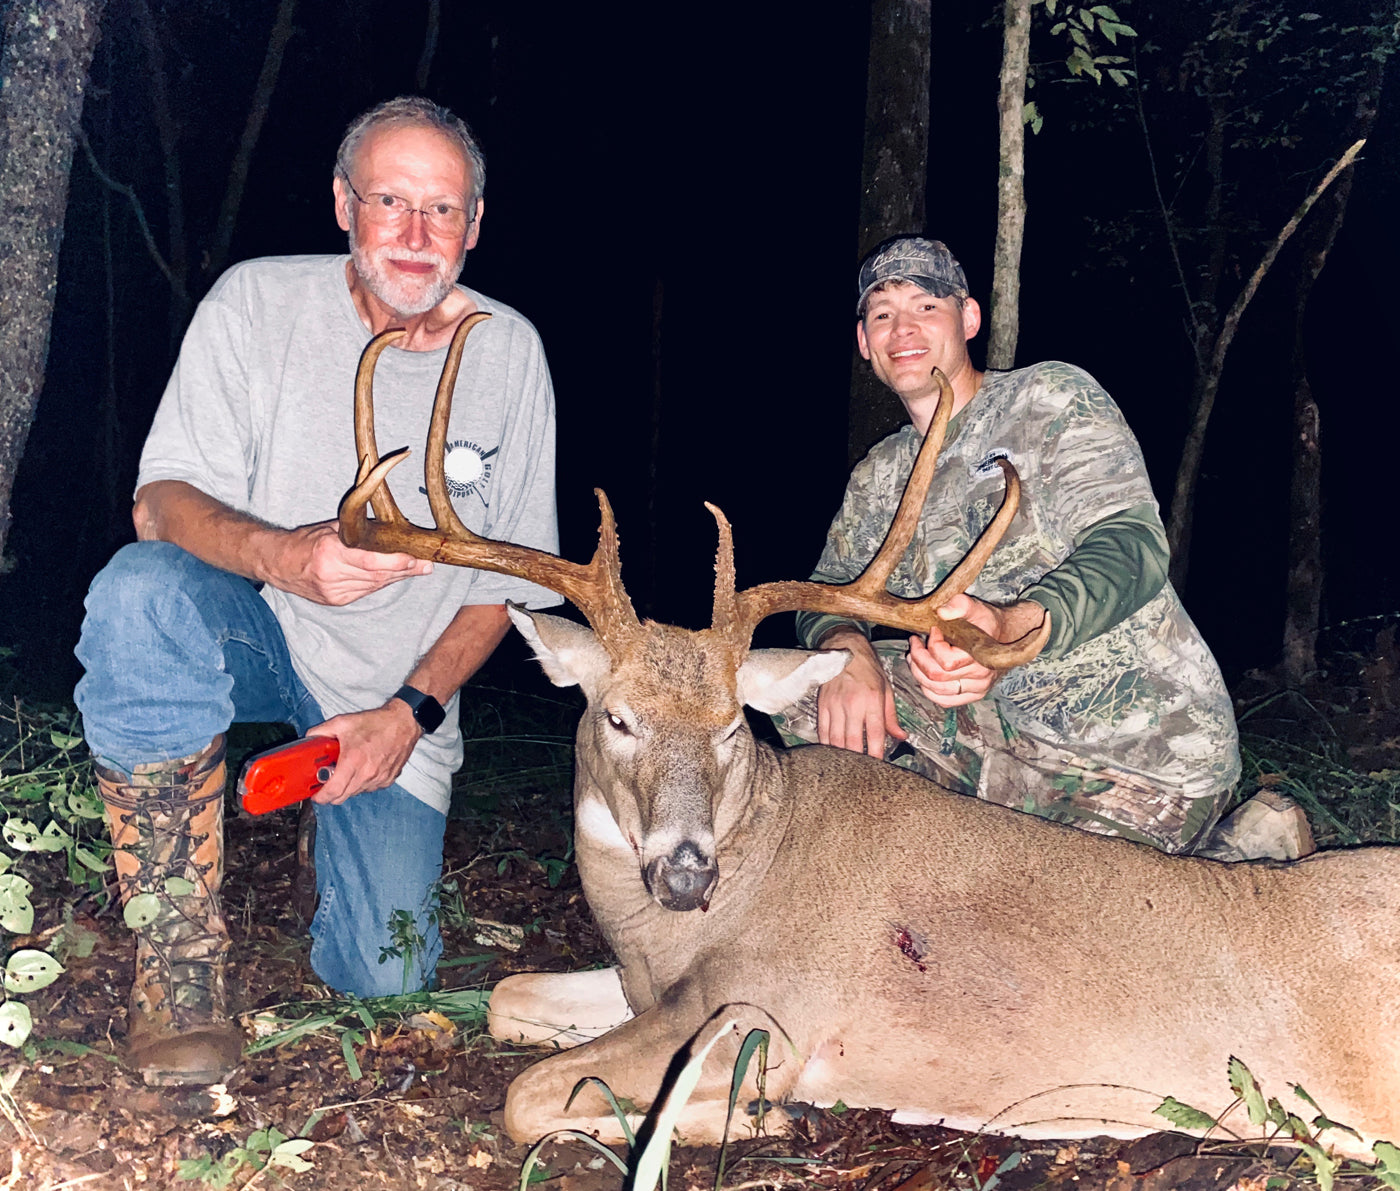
(424, 113)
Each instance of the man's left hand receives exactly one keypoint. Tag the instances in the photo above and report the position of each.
(952, 677)
(374, 747)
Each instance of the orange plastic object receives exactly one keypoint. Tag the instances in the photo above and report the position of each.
(287, 773)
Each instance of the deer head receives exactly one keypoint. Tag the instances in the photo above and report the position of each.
(665, 737)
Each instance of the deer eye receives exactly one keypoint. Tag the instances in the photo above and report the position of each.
(617, 723)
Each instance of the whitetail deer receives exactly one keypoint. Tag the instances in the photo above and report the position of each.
(910, 948)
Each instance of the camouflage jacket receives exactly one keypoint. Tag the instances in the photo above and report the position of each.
(1145, 695)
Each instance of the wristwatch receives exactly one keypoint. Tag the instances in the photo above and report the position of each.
(426, 710)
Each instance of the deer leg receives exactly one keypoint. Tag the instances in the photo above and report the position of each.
(636, 1061)
(558, 1009)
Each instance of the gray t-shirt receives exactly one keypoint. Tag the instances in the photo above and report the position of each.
(259, 414)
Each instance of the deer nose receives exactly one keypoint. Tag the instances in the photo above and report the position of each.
(684, 879)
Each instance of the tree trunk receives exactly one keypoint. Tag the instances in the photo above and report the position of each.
(44, 64)
(1303, 606)
(1011, 187)
(894, 175)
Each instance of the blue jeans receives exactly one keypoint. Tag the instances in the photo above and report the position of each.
(176, 650)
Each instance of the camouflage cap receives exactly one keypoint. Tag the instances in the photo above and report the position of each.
(927, 263)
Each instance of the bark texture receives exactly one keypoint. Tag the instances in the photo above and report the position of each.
(44, 65)
(1011, 187)
(894, 176)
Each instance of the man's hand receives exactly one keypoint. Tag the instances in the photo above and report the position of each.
(855, 710)
(374, 747)
(310, 561)
(315, 564)
(951, 677)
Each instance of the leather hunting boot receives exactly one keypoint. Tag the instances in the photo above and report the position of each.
(166, 822)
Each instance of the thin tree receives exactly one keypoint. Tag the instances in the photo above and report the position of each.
(894, 174)
(1303, 604)
(44, 65)
(1004, 306)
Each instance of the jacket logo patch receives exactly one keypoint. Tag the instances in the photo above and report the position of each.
(988, 468)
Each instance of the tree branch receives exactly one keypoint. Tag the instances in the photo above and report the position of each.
(177, 284)
(252, 129)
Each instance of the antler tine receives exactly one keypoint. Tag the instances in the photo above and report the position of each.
(366, 448)
(726, 611)
(434, 466)
(866, 598)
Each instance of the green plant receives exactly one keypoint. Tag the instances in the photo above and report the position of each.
(351, 1019)
(646, 1169)
(407, 942)
(49, 806)
(1288, 1128)
(264, 1150)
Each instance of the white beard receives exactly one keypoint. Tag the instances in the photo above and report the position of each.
(404, 293)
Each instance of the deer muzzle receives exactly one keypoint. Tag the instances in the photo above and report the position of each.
(683, 879)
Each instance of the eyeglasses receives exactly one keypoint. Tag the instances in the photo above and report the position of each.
(389, 210)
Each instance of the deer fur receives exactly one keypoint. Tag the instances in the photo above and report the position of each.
(918, 950)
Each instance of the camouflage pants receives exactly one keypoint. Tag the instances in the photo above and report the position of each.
(974, 750)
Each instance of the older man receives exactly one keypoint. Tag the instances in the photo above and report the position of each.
(1122, 725)
(239, 602)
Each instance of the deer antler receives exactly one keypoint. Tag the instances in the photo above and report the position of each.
(596, 588)
(737, 614)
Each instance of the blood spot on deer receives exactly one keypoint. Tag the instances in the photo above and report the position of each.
(912, 945)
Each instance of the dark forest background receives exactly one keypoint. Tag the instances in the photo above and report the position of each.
(672, 198)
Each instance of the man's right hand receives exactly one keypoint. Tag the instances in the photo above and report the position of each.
(855, 710)
(310, 561)
(318, 566)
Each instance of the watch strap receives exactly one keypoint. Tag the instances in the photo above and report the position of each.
(426, 710)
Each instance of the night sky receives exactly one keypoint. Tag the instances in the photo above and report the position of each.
(711, 160)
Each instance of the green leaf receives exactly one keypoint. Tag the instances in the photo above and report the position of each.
(1120, 77)
(619, 1111)
(16, 912)
(142, 910)
(288, 1154)
(1324, 1164)
(1103, 10)
(21, 835)
(178, 886)
(61, 740)
(1183, 1116)
(1388, 1170)
(29, 970)
(348, 1041)
(1243, 1085)
(90, 859)
(16, 1024)
(1056, 30)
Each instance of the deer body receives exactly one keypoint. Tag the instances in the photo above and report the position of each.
(909, 948)
(940, 956)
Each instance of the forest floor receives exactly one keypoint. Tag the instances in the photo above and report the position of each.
(407, 1094)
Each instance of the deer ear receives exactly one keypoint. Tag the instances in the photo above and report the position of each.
(771, 679)
(569, 652)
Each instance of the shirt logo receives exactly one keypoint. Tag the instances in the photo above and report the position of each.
(467, 468)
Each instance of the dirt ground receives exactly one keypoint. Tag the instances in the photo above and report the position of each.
(423, 1111)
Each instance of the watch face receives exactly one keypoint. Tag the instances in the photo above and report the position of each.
(426, 710)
